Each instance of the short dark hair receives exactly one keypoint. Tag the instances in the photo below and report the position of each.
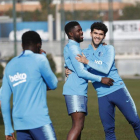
(30, 38)
(99, 26)
(69, 26)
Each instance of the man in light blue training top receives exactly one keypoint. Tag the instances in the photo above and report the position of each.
(28, 77)
(75, 88)
(100, 60)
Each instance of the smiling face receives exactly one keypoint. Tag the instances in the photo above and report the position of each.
(97, 37)
(76, 34)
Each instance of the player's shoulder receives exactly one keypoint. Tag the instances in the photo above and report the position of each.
(85, 49)
(66, 47)
(109, 47)
(12, 61)
(72, 44)
(39, 57)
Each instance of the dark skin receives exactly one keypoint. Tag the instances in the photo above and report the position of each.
(36, 49)
(78, 118)
(76, 34)
(12, 137)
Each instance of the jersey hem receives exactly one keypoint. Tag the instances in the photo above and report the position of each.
(110, 91)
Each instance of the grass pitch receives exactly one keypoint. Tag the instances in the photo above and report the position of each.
(93, 129)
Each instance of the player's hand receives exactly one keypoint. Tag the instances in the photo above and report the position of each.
(67, 72)
(104, 43)
(48, 88)
(107, 81)
(82, 58)
(12, 137)
(42, 51)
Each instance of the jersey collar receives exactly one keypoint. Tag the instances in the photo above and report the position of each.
(91, 48)
(74, 42)
(26, 52)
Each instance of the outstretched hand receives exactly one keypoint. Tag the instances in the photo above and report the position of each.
(12, 137)
(82, 58)
(107, 81)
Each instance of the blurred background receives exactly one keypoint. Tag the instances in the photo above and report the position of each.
(48, 18)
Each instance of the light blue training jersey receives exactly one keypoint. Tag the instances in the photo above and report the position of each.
(77, 82)
(27, 77)
(102, 62)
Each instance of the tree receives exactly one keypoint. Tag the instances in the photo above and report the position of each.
(1, 71)
(52, 63)
(131, 12)
(37, 15)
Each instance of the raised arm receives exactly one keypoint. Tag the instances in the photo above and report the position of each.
(5, 105)
(105, 64)
(79, 67)
(47, 73)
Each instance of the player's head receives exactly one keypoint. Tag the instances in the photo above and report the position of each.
(74, 31)
(31, 41)
(98, 32)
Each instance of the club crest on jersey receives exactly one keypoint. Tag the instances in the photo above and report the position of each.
(18, 78)
(100, 54)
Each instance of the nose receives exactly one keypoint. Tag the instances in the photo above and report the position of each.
(97, 35)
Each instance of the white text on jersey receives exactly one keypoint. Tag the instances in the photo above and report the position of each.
(98, 62)
(20, 78)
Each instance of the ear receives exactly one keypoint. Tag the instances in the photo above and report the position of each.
(90, 34)
(38, 45)
(104, 37)
(22, 46)
(70, 34)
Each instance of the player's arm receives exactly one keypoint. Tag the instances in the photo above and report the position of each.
(79, 67)
(5, 106)
(47, 73)
(106, 63)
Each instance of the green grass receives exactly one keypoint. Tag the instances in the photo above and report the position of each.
(93, 129)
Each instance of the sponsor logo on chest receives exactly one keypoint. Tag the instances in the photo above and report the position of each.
(98, 62)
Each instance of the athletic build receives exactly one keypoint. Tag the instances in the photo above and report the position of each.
(75, 88)
(100, 60)
(27, 77)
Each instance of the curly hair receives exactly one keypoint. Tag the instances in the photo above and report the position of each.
(99, 26)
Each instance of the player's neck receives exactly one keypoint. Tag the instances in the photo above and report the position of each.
(94, 46)
(30, 49)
